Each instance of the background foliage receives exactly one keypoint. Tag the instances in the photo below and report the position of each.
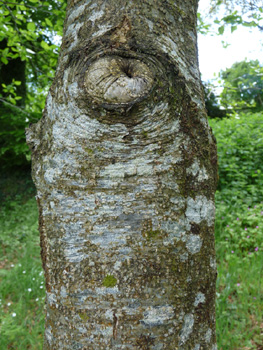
(239, 232)
(243, 86)
(28, 57)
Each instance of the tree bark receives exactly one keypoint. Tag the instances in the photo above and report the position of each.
(125, 167)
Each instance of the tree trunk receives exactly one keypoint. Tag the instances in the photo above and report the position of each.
(125, 167)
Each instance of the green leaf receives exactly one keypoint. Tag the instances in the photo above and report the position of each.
(48, 22)
(250, 24)
(221, 30)
(233, 28)
(4, 60)
(44, 45)
(19, 16)
(22, 7)
(12, 100)
(31, 26)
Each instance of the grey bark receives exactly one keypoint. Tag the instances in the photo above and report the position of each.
(125, 168)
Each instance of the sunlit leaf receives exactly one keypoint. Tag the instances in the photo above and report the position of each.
(233, 28)
(44, 45)
(48, 22)
(221, 30)
(31, 26)
(4, 60)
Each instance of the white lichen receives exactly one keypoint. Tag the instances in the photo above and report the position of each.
(174, 229)
(139, 166)
(213, 263)
(199, 209)
(48, 335)
(193, 243)
(72, 35)
(187, 328)
(51, 298)
(200, 298)
(96, 15)
(75, 13)
(208, 335)
(197, 171)
(102, 30)
(107, 290)
(158, 315)
(183, 257)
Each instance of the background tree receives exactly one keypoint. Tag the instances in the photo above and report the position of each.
(238, 12)
(212, 103)
(28, 59)
(243, 87)
(125, 167)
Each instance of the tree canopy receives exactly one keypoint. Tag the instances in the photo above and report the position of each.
(243, 86)
(28, 52)
(237, 12)
(28, 30)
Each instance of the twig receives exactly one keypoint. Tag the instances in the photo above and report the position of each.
(18, 108)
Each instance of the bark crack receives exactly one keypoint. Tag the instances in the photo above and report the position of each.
(115, 325)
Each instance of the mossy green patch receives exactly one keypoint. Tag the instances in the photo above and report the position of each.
(144, 134)
(152, 234)
(109, 281)
(89, 151)
(83, 316)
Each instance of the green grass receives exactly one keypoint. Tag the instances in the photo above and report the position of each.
(22, 283)
(239, 304)
(239, 232)
(239, 307)
(239, 245)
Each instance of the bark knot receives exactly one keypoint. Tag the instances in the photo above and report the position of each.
(116, 81)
